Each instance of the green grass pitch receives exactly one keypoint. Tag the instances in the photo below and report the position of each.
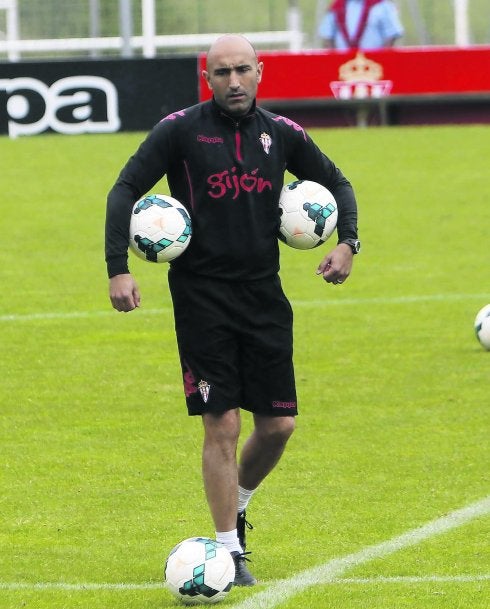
(100, 465)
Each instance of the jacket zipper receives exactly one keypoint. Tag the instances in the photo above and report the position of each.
(238, 142)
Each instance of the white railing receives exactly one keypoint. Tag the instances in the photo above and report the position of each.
(12, 27)
(15, 47)
(149, 42)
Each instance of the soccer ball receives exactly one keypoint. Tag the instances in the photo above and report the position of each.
(482, 327)
(308, 214)
(199, 570)
(160, 228)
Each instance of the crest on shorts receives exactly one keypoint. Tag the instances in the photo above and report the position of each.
(204, 388)
(266, 141)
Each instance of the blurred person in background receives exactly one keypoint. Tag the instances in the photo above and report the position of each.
(360, 24)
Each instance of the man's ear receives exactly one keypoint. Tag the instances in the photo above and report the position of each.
(205, 75)
(260, 70)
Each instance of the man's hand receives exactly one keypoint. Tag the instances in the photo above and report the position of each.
(124, 292)
(337, 265)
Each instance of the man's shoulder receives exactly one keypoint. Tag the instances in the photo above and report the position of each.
(179, 122)
(186, 114)
(283, 123)
(264, 113)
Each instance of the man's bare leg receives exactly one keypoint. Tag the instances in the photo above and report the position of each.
(219, 466)
(263, 449)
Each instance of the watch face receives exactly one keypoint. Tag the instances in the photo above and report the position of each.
(357, 246)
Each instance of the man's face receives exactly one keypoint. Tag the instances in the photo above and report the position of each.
(233, 74)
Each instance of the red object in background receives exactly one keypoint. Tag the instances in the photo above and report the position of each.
(412, 71)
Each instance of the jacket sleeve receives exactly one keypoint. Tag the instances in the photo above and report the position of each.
(142, 171)
(307, 162)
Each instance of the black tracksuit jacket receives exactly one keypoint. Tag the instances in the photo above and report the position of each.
(228, 173)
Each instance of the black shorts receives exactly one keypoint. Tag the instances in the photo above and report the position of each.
(235, 344)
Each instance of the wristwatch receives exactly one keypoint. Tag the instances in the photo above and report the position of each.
(354, 244)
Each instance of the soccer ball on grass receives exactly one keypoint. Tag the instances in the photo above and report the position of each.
(482, 327)
(199, 570)
(308, 214)
(160, 228)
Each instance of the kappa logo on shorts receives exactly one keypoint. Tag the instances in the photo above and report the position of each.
(279, 404)
(204, 388)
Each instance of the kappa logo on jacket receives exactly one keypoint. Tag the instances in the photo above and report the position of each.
(210, 139)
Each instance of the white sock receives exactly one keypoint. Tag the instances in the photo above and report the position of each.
(244, 496)
(230, 540)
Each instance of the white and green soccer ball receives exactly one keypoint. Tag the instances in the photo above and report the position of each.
(199, 570)
(482, 327)
(308, 214)
(160, 228)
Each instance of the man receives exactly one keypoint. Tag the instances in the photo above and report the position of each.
(225, 161)
(360, 24)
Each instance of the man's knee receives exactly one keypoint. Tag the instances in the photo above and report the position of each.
(275, 429)
(222, 428)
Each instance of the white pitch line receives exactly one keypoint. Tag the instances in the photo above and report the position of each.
(62, 315)
(79, 587)
(412, 579)
(392, 300)
(397, 579)
(332, 570)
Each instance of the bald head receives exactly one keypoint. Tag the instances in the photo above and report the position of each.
(233, 73)
(230, 43)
